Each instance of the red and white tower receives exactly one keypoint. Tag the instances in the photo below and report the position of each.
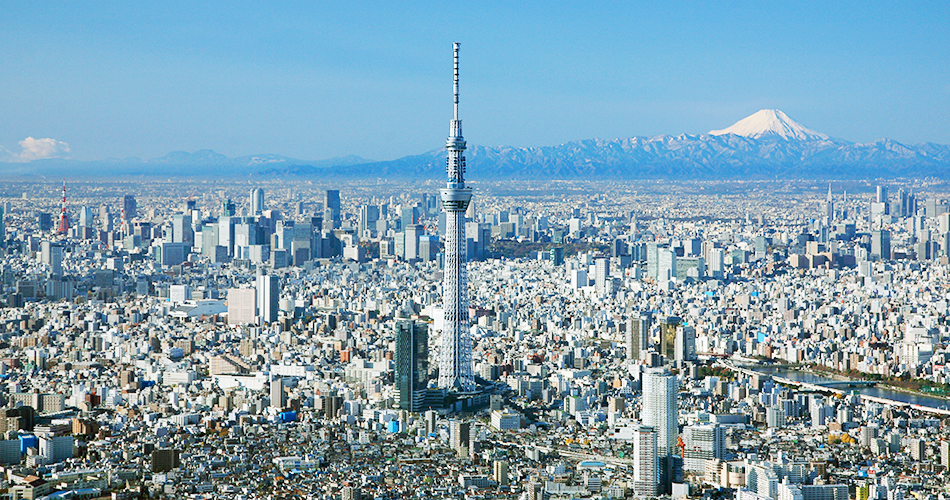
(63, 218)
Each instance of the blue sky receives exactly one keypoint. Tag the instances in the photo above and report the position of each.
(313, 80)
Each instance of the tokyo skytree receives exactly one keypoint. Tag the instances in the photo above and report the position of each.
(455, 365)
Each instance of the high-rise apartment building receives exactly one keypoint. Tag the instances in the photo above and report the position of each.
(660, 407)
(535, 490)
(351, 493)
(660, 411)
(703, 442)
(645, 474)
(500, 472)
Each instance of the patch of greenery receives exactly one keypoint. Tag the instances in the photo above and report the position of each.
(715, 371)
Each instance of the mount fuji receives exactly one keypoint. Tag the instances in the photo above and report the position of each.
(771, 122)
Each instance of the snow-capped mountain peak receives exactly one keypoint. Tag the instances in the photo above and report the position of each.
(767, 122)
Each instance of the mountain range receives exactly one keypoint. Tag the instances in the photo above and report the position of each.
(765, 145)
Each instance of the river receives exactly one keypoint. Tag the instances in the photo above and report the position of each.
(879, 391)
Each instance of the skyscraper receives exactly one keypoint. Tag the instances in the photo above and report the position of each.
(51, 253)
(182, 231)
(105, 218)
(331, 210)
(128, 207)
(85, 217)
(412, 364)
(44, 220)
(455, 366)
(369, 215)
(268, 294)
(557, 256)
(411, 243)
(277, 396)
(228, 209)
(881, 244)
(881, 194)
(638, 335)
(668, 328)
(459, 434)
(257, 201)
(242, 306)
(601, 273)
(828, 207)
(666, 264)
(685, 344)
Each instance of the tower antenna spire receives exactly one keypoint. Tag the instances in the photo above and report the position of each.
(455, 47)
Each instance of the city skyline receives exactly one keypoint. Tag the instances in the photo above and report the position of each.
(732, 341)
(313, 82)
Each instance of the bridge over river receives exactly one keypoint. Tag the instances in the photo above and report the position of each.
(923, 403)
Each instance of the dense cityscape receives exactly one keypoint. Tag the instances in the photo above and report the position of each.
(273, 341)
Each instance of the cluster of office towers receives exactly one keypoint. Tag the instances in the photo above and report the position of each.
(260, 237)
(927, 243)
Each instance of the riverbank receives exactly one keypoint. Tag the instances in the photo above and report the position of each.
(882, 383)
(802, 377)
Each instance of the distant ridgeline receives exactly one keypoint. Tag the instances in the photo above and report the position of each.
(765, 145)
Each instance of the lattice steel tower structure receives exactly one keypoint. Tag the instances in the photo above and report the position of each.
(63, 218)
(455, 364)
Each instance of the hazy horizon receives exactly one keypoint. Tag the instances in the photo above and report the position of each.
(317, 82)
